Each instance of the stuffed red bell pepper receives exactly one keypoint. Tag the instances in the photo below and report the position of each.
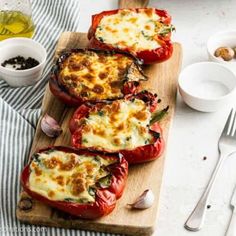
(144, 32)
(94, 75)
(128, 126)
(80, 182)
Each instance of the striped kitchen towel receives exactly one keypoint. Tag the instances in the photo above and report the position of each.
(19, 113)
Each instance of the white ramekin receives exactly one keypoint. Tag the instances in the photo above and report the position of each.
(24, 47)
(207, 86)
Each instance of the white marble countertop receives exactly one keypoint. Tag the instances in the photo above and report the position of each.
(193, 134)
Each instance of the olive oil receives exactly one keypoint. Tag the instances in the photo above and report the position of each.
(15, 24)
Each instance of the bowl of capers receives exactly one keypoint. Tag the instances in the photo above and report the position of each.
(222, 48)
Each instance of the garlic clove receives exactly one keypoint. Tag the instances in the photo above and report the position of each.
(144, 201)
(50, 126)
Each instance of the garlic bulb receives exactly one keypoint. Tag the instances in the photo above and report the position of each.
(144, 201)
(50, 126)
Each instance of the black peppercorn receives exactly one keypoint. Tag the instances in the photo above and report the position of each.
(20, 63)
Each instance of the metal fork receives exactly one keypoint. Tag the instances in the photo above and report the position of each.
(227, 146)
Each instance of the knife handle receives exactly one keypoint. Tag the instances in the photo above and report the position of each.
(232, 225)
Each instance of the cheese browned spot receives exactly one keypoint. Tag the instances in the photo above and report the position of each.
(62, 176)
(91, 75)
(38, 172)
(51, 194)
(141, 115)
(129, 29)
(60, 180)
(120, 125)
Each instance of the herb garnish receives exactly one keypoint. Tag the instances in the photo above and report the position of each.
(158, 115)
(101, 39)
(50, 151)
(100, 113)
(83, 200)
(105, 181)
(156, 135)
(68, 199)
(147, 141)
(84, 140)
(92, 191)
(148, 37)
(166, 30)
(35, 157)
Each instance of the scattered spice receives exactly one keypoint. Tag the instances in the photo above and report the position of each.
(204, 158)
(208, 206)
(20, 63)
(159, 100)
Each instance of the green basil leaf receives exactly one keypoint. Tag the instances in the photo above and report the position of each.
(101, 39)
(158, 115)
(84, 140)
(100, 113)
(83, 200)
(68, 199)
(35, 157)
(166, 30)
(92, 191)
(105, 181)
(50, 151)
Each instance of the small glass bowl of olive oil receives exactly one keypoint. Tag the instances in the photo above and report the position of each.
(16, 19)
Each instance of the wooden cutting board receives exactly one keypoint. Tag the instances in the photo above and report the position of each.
(163, 81)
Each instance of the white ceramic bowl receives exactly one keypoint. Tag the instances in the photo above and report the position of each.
(222, 39)
(207, 86)
(24, 47)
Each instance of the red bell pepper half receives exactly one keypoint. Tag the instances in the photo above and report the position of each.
(129, 86)
(105, 197)
(149, 56)
(139, 154)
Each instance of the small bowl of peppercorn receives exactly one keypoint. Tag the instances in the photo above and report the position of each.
(22, 61)
(222, 48)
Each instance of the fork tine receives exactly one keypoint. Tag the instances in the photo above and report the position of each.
(227, 124)
(232, 131)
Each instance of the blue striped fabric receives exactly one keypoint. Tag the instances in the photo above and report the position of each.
(19, 113)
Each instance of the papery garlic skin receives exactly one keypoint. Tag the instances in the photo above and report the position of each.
(50, 126)
(144, 201)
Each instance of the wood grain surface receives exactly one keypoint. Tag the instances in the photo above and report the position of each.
(163, 80)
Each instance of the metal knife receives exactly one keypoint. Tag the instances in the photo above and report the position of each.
(232, 225)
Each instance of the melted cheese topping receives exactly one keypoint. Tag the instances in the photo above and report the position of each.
(120, 125)
(62, 176)
(135, 30)
(95, 75)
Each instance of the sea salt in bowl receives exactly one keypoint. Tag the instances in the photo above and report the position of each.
(207, 86)
(24, 47)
